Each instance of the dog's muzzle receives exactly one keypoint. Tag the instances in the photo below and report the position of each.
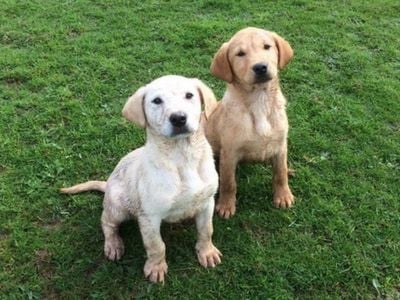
(178, 121)
(261, 73)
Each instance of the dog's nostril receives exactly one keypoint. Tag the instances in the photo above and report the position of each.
(178, 119)
(260, 69)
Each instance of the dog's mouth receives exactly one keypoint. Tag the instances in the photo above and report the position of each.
(262, 78)
(179, 132)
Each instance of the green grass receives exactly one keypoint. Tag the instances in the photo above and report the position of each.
(66, 69)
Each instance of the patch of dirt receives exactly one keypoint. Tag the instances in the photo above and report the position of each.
(43, 262)
(393, 294)
(13, 81)
(46, 270)
(51, 294)
(4, 234)
(50, 225)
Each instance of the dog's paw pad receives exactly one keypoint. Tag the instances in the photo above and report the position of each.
(155, 272)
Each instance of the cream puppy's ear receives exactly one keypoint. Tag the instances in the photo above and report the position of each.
(134, 108)
(220, 66)
(207, 98)
(285, 51)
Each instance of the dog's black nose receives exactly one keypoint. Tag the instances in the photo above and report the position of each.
(260, 69)
(178, 119)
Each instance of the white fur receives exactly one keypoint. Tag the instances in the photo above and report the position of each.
(172, 90)
(170, 178)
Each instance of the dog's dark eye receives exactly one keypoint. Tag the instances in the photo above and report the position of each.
(157, 100)
(189, 96)
(241, 53)
(266, 47)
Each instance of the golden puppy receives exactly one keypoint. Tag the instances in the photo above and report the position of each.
(250, 122)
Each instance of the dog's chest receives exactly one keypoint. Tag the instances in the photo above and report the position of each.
(265, 135)
(261, 125)
(178, 191)
(194, 191)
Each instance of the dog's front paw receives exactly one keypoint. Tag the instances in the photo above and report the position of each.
(209, 256)
(225, 209)
(114, 248)
(283, 198)
(155, 271)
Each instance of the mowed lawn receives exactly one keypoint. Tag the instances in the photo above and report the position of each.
(67, 68)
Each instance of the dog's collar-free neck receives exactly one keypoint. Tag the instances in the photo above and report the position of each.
(269, 86)
(163, 142)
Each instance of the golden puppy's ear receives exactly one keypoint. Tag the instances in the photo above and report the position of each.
(285, 51)
(220, 66)
(207, 98)
(134, 109)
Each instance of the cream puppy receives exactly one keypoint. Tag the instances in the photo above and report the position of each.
(172, 177)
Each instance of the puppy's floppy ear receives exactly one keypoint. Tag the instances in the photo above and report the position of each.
(207, 98)
(220, 66)
(134, 109)
(285, 51)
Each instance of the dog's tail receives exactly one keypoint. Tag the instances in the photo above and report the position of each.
(86, 186)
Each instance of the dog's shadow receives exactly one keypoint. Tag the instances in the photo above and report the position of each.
(254, 185)
(179, 238)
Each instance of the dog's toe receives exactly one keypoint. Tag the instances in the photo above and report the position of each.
(284, 199)
(225, 211)
(114, 249)
(155, 272)
(209, 257)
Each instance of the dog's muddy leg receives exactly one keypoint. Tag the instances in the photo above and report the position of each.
(113, 244)
(226, 204)
(155, 267)
(282, 195)
(207, 254)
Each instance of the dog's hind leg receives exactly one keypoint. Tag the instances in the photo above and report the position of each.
(226, 204)
(113, 215)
